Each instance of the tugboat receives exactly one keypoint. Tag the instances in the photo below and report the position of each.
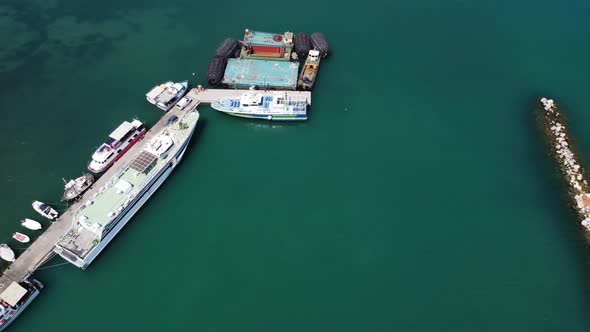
(15, 298)
(74, 188)
(167, 94)
(275, 106)
(120, 140)
(310, 70)
(45, 210)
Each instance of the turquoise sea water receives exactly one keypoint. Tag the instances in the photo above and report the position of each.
(417, 197)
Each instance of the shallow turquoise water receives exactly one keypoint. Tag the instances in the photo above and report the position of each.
(416, 198)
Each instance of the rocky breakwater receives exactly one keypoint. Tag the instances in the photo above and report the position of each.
(562, 149)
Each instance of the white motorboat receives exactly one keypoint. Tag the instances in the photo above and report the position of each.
(167, 94)
(6, 253)
(45, 210)
(20, 237)
(31, 224)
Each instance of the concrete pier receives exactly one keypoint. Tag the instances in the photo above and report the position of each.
(41, 250)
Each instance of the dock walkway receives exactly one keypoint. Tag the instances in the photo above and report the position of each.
(41, 250)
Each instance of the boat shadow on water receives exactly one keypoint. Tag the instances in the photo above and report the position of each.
(263, 126)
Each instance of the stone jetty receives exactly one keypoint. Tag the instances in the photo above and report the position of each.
(568, 161)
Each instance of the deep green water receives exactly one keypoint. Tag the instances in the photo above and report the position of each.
(417, 197)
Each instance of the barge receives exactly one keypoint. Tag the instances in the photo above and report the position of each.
(265, 45)
(263, 74)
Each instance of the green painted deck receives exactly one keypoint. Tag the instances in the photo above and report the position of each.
(264, 74)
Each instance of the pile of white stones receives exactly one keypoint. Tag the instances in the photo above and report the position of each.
(567, 161)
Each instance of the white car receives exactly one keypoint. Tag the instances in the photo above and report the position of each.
(183, 103)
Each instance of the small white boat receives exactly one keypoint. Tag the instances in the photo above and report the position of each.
(31, 224)
(45, 210)
(6, 253)
(20, 237)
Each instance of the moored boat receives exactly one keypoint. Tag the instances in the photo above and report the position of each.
(167, 94)
(20, 237)
(45, 210)
(6, 253)
(31, 224)
(119, 141)
(15, 298)
(99, 219)
(310, 70)
(76, 187)
(275, 106)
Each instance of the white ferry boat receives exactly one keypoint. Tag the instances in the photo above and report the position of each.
(100, 218)
(167, 94)
(15, 298)
(120, 140)
(275, 106)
